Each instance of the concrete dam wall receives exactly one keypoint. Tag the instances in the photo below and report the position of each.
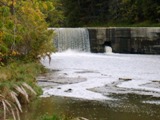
(145, 40)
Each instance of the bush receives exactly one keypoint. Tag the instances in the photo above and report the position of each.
(54, 117)
(23, 31)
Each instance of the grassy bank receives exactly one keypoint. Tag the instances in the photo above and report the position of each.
(18, 86)
(55, 117)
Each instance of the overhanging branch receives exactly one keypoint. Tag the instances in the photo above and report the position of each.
(5, 4)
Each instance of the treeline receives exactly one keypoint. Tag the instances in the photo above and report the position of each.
(90, 12)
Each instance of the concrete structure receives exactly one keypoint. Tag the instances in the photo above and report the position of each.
(126, 40)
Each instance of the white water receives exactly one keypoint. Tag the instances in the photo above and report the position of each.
(72, 38)
(105, 69)
(108, 50)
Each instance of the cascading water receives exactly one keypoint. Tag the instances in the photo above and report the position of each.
(72, 38)
(108, 49)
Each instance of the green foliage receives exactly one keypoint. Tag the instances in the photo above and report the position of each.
(18, 72)
(24, 35)
(18, 86)
(5, 11)
(86, 13)
(54, 117)
(55, 17)
(80, 13)
(53, 11)
(23, 30)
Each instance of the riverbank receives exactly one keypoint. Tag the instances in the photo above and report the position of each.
(128, 107)
(18, 86)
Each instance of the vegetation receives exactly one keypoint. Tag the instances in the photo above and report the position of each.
(18, 86)
(23, 30)
(24, 35)
(54, 117)
(111, 12)
(55, 17)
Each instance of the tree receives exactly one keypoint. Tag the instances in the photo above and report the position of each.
(84, 12)
(151, 10)
(55, 16)
(23, 29)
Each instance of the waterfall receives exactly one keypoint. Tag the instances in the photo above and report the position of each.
(108, 50)
(72, 38)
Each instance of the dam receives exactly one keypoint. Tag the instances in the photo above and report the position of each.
(83, 81)
(136, 40)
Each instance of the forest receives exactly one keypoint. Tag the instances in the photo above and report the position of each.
(24, 35)
(111, 12)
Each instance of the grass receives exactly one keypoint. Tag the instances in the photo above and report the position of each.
(16, 73)
(17, 87)
(54, 117)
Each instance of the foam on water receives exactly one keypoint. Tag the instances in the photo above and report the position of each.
(105, 69)
(108, 50)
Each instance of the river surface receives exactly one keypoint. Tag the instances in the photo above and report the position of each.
(129, 107)
(99, 87)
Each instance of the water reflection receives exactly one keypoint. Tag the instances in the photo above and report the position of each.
(128, 107)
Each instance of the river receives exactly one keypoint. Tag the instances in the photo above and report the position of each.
(99, 86)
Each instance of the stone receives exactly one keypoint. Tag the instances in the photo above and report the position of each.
(69, 90)
(126, 79)
(80, 118)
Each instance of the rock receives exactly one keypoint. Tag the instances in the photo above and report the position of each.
(69, 90)
(80, 118)
(65, 74)
(156, 81)
(126, 79)
(104, 75)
